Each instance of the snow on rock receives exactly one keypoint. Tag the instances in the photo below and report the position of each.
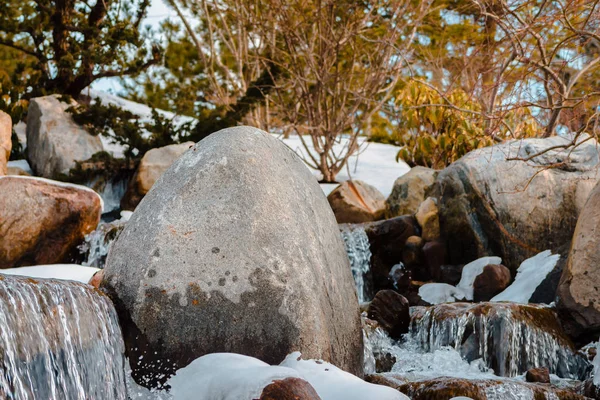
(70, 272)
(228, 376)
(374, 164)
(225, 376)
(331, 383)
(437, 293)
(530, 275)
(470, 272)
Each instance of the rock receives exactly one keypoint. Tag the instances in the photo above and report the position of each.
(97, 279)
(450, 274)
(5, 141)
(289, 389)
(591, 390)
(215, 260)
(579, 291)
(412, 254)
(387, 239)
(356, 202)
(409, 191)
(428, 219)
(546, 291)
(400, 277)
(16, 171)
(493, 280)
(391, 310)
(444, 388)
(435, 256)
(54, 141)
(154, 163)
(502, 334)
(514, 209)
(42, 221)
(540, 375)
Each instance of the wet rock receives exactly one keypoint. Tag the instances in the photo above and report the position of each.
(502, 334)
(412, 254)
(43, 221)
(154, 163)
(5, 141)
(409, 191)
(428, 219)
(491, 206)
(545, 293)
(289, 389)
(401, 277)
(579, 288)
(450, 274)
(97, 279)
(540, 375)
(54, 141)
(435, 256)
(591, 390)
(445, 388)
(213, 261)
(356, 202)
(391, 310)
(492, 280)
(387, 239)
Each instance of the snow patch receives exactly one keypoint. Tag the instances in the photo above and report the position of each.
(437, 293)
(470, 272)
(69, 272)
(530, 275)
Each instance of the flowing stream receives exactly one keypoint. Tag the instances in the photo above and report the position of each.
(359, 253)
(58, 340)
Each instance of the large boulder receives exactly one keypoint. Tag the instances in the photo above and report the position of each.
(54, 141)
(154, 163)
(356, 202)
(514, 209)
(409, 191)
(579, 287)
(5, 141)
(42, 221)
(234, 250)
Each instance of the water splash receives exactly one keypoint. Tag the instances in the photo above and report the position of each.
(508, 337)
(359, 252)
(58, 340)
(96, 244)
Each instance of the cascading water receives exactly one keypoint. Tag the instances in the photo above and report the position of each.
(359, 253)
(509, 338)
(96, 244)
(58, 340)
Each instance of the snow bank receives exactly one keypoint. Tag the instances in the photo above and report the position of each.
(331, 383)
(530, 274)
(374, 164)
(69, 272)
(228, 376)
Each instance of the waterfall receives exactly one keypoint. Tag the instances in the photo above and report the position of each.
(58, 340)
(509, 338)
(359, 253)
(96, 244)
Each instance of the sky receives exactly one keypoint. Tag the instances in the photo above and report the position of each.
(157, 12)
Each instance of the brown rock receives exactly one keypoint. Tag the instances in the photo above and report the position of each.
(409, 191)
(579, 288)
(289, 389)
(97, 279)
(539, 375)
(16, 171)
(428, 219)
(412, 254)
(391, 310)
(154, 163)
(356, 202)
(5, 141)
(492, 280)
(42, 221)
(435, 256)
(450, 274)
(387, 239)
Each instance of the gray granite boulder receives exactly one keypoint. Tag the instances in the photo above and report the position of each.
(234, 249)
